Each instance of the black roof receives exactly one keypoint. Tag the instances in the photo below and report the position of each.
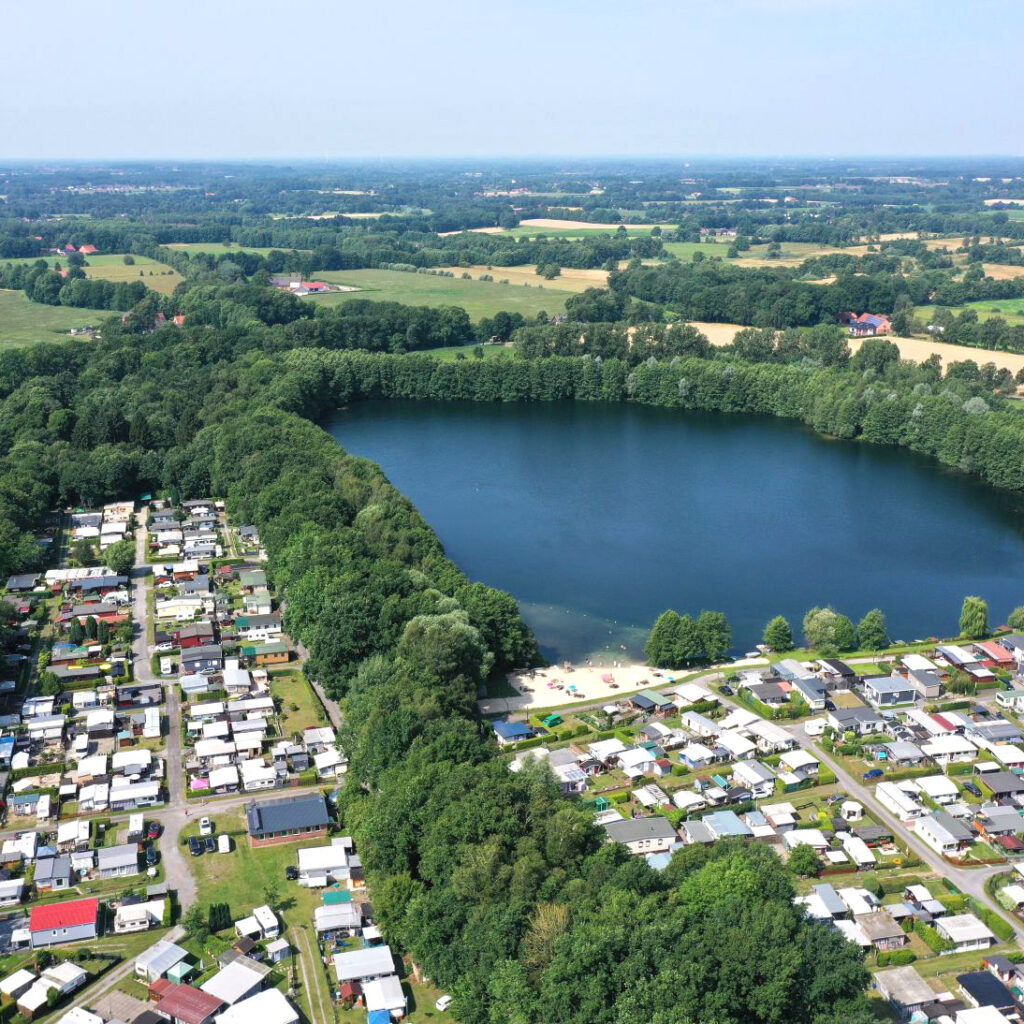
(986, 990)
(839, 667)
(309, 811)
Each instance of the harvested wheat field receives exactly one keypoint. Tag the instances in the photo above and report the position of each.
(473, 231)
(1002, 272)
(916, 349)
(554, 224)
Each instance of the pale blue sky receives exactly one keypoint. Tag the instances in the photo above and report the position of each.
(251, 78)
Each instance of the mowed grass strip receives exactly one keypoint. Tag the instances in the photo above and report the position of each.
(23, 322)
(478, 298)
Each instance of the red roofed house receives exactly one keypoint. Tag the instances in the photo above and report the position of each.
(64, 922)
(179, 320)
(183, 1004)
(867, 324)
(994, 655)
(69, 248)
(88, 250)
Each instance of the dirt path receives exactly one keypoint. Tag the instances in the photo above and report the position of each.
(319, 1001)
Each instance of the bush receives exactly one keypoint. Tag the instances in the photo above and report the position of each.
(826, 776)
(680, 769)
(619, 798)
(896, 958)
(931, 938)
(581, 730)
(959, 769)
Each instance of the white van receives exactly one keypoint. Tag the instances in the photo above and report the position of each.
(166, 667)
(224, 843)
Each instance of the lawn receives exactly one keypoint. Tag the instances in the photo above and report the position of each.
(294, 692)
(243, 879)
(478, 298)
(446, 355)
(23, 322)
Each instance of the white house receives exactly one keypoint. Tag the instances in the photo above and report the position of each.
(904, 805)
(965, 931)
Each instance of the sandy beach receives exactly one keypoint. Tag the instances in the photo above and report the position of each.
(540, 689)
(548, 687)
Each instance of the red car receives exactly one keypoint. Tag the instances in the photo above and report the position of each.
(153, 832)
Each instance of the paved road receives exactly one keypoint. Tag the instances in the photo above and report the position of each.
(173, 816)
(967, 880)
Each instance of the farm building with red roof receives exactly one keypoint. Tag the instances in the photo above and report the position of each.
(88, 250)
(64, 922)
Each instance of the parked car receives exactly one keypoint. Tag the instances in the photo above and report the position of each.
(195, 847)
(152, 856)
(205, 827)
(291, 873)
(728, 691)
(835, 798)
(873, 773)
(154, 830)
(443, 1003)
(211, 844)
(972, 789)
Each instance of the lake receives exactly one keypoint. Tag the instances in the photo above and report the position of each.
(599, 517)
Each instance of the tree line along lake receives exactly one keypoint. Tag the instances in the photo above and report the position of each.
(598, 517)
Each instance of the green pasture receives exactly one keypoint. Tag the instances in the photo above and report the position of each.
(478, 298)
(23, 322)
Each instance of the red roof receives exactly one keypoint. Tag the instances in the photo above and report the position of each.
(88, 249)
(995, 651)
(188, 1004)
(313, 284)
(944, 722)
(64, 915)
(69, 247)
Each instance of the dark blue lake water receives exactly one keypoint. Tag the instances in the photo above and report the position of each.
(599, 517)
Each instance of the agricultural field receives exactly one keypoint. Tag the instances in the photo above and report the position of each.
(1011, 310)
(571, 279)
(23, 322)
(478, 298)
(685, 250)
(111, 267)
(158, 276)
(219, 248)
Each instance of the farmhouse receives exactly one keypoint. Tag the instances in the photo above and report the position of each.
(866, 325)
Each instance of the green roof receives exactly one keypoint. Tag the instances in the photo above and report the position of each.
(658, 698)
(252, 650)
